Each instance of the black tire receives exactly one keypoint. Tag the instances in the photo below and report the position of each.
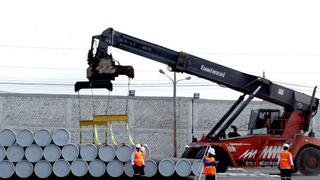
(190, 153)
(200, 154)
(221, 158)
(185, 153)
(308, 161)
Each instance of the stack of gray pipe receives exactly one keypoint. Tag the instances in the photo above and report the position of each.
(26, 153)
(45, 153)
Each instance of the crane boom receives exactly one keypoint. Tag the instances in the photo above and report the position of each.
(184, 62)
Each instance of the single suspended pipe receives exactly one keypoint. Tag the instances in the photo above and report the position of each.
(61, 136)
(15, 153)
(42, 169)
(97, 168)
(88, 152)
(61, 168)
(52, 152)
(7, 137)
(70, 152)
(115, 168)
(3, 153)
(107, 152)
(6, 169)
(79, 167)
(25, 137)
(23, 169)
(124, 152)
(43, 137)
(33, 153)
(166, 167)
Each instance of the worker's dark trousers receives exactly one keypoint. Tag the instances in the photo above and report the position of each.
(138, 171)
(285, 174)
(210, 177)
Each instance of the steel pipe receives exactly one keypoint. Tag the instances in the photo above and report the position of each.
(197, 167)
(3, 152)
(61, 136)
(150, 168)
(52, 152)
(88, 152)
(25, 137)
(33, 153)
(43, 137)
(166, 167)
(97, 168)
(6, 169)
(115, 168)
(183, 167)
(128, 169)
(15, 153)
(70, 152)
(123, 152)
(43, 169)
(24, 169)
(61, 168)
(106, 152)
(7, 137)
(147, 152)
(79, 167)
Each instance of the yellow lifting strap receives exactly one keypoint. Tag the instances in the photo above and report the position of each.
(104, 120)
(114, 141)
(131, 139)
(107, 120)
(95, 135)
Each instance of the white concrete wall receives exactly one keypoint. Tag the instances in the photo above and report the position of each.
(150, 118)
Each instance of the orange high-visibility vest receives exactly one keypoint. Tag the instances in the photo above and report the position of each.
(138, 158)
(209, 170)
(285, 162)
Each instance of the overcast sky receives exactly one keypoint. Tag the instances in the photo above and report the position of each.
(46, 42)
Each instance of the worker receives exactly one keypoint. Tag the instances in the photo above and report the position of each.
(285, 163)
(137, 161)
(209, 165)
(234, 133)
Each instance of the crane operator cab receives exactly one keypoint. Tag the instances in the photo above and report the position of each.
(265, 121)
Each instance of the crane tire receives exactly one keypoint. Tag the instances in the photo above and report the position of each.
(308, 161)
(186, 153)
(190, 153)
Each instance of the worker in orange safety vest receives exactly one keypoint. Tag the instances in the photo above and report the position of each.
(137, 161)
(209, 165)
(285, 163)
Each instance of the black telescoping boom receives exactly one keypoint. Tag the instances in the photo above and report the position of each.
(184, 62)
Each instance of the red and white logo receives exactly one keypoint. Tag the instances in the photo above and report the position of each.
(270, 152)
(249, 154)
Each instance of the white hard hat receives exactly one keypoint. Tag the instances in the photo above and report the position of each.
(138, 146)
(212, 151)
(286, 145)
(143, 149)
